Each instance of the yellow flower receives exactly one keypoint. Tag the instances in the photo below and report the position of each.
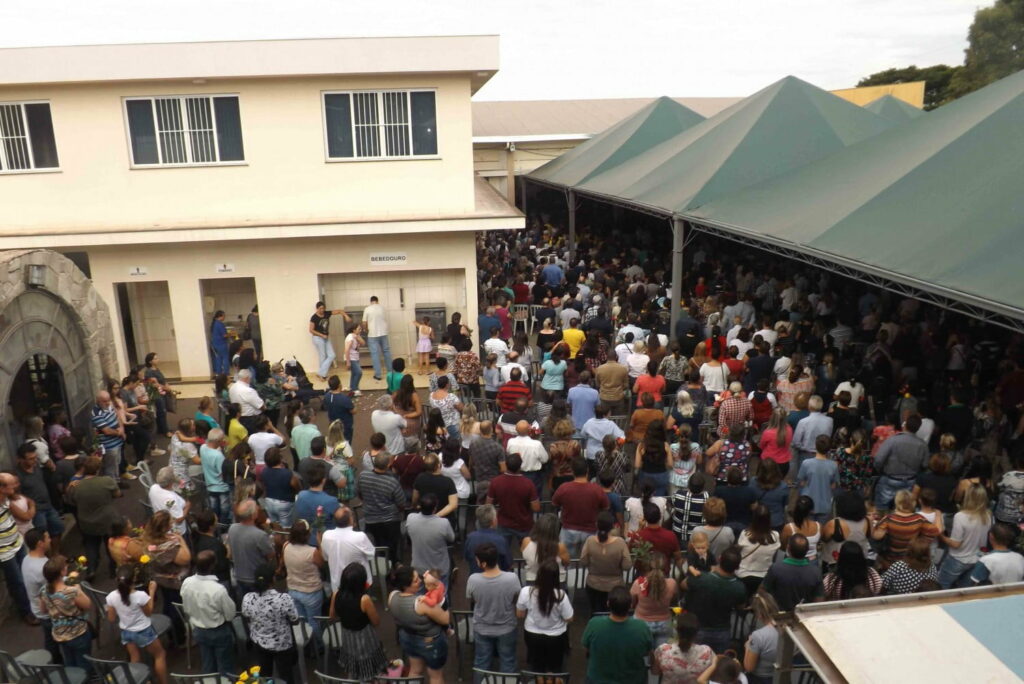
(144, 559)
(243, 677)
(677, 610)
(255, 669)
(82, 560)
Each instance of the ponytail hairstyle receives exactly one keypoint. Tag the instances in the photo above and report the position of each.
(125, 583)
(802, 510)
(858, 440)
(686, 630)
(655, 576)
(53, 570)
(605, 523)
(646, 494)
(263, 577)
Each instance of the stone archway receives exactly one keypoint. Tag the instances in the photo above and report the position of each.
(48, 306)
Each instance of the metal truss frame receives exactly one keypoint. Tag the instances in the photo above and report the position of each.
(851, 270)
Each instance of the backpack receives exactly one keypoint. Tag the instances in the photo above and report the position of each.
(760, 409)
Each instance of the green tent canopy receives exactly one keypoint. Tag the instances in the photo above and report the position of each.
(637, 133)
(937, 206)
(789, 124)
(894, 109)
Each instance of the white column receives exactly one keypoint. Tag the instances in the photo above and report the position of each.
(677, 272)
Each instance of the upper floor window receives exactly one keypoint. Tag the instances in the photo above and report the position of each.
(184, 130)
(26, 137)
(385, 124)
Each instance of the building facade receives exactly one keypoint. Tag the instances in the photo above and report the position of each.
(194, 177)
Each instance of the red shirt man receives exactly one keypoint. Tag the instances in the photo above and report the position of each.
(580, 500)
(512, 390)
(663, 541)
(516, 498)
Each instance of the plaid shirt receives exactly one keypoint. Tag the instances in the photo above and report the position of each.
(688, 512)
(733, 410)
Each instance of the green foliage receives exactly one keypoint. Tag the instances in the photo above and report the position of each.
(936, 81)
(995, 47)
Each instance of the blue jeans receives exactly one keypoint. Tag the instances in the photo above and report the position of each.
(718, 638)
(379, 347)
(537, 478)
(309, 605)
(221, 360)
(74, 652)
(325, 354)
(49, 519)
(954, 573)
(434, 653)
(658, 481)
(220, 504)
(216, 648)
(513, 537)
(355, 374)
(161, 415)
(661, 631)
(279, 511)
(15, 583)
(453, 431)
(503, 646)
(573, 540)
(885, 490)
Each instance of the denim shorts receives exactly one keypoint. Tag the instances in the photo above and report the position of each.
(142, 638)
(432, 650)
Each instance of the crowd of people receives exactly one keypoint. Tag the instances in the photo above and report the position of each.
(794, 438)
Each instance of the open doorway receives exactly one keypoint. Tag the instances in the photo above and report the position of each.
(236, 297)
(37, 389)
(147, 324)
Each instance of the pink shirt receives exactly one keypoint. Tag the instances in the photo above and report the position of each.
(774, 452)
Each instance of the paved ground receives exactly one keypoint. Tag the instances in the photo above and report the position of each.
(15, 637)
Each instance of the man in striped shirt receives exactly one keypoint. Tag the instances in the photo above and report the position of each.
(512, 390)
(110, 433)
(12, 550)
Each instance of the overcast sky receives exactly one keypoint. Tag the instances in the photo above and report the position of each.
(561, 49)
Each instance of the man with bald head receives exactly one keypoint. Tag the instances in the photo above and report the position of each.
(532, 452)
(110, 432)
(250, 547)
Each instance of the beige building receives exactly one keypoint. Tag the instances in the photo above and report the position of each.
(190, 177)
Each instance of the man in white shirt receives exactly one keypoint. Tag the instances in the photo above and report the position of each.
(248, 399)
(210, 611)
(344, 545)
(768, 333)
(790, 296)
(513, 362)
(162, 497)
(495, 345)
(375, 320)
(532, 452)
(265, 436)
(390, 424)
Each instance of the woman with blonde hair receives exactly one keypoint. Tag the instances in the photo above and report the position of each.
(562, 451)
(970, 532)
(699, 357)
(902, 526)
(343, 456)
(776, 440)
(470, 425)
(652, 595)
(170, 559)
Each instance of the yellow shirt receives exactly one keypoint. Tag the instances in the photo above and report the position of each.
(236, 433)
(574, 337)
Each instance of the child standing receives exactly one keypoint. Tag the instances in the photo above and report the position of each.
(492, 377)
(926, 500)
(131, 609)
(818, 477)
(698, 554)
(424, 343)
(342, 455)
(395, 375)
(684, 461)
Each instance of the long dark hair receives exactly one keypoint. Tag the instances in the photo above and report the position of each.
(686, 630)
(403, 395)
(851, 568)
(605, 523)
(547, 586)
(760, 530)
(435, 423)
(802, 510)
(451, 451)
(353, 581)
(125, 582)
(545, 535)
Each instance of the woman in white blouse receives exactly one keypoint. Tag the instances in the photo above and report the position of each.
(758, 544)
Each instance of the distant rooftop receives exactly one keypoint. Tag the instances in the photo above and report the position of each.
(475, 55)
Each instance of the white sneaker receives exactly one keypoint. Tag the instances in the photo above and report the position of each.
(157, 452)
(357, 393)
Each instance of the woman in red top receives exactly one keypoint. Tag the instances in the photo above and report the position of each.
(716, 351)
(776, 439)
(652, 382)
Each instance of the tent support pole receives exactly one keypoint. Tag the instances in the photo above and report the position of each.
(522, 195)
(570, 197)
(677, 273)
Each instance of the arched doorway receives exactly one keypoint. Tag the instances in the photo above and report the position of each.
(55, 341)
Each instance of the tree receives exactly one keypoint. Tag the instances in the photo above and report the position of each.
(995, 47)
(936, 81)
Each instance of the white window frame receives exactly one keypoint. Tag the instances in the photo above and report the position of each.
(183, 114)
(380, 124)
(7, 170)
